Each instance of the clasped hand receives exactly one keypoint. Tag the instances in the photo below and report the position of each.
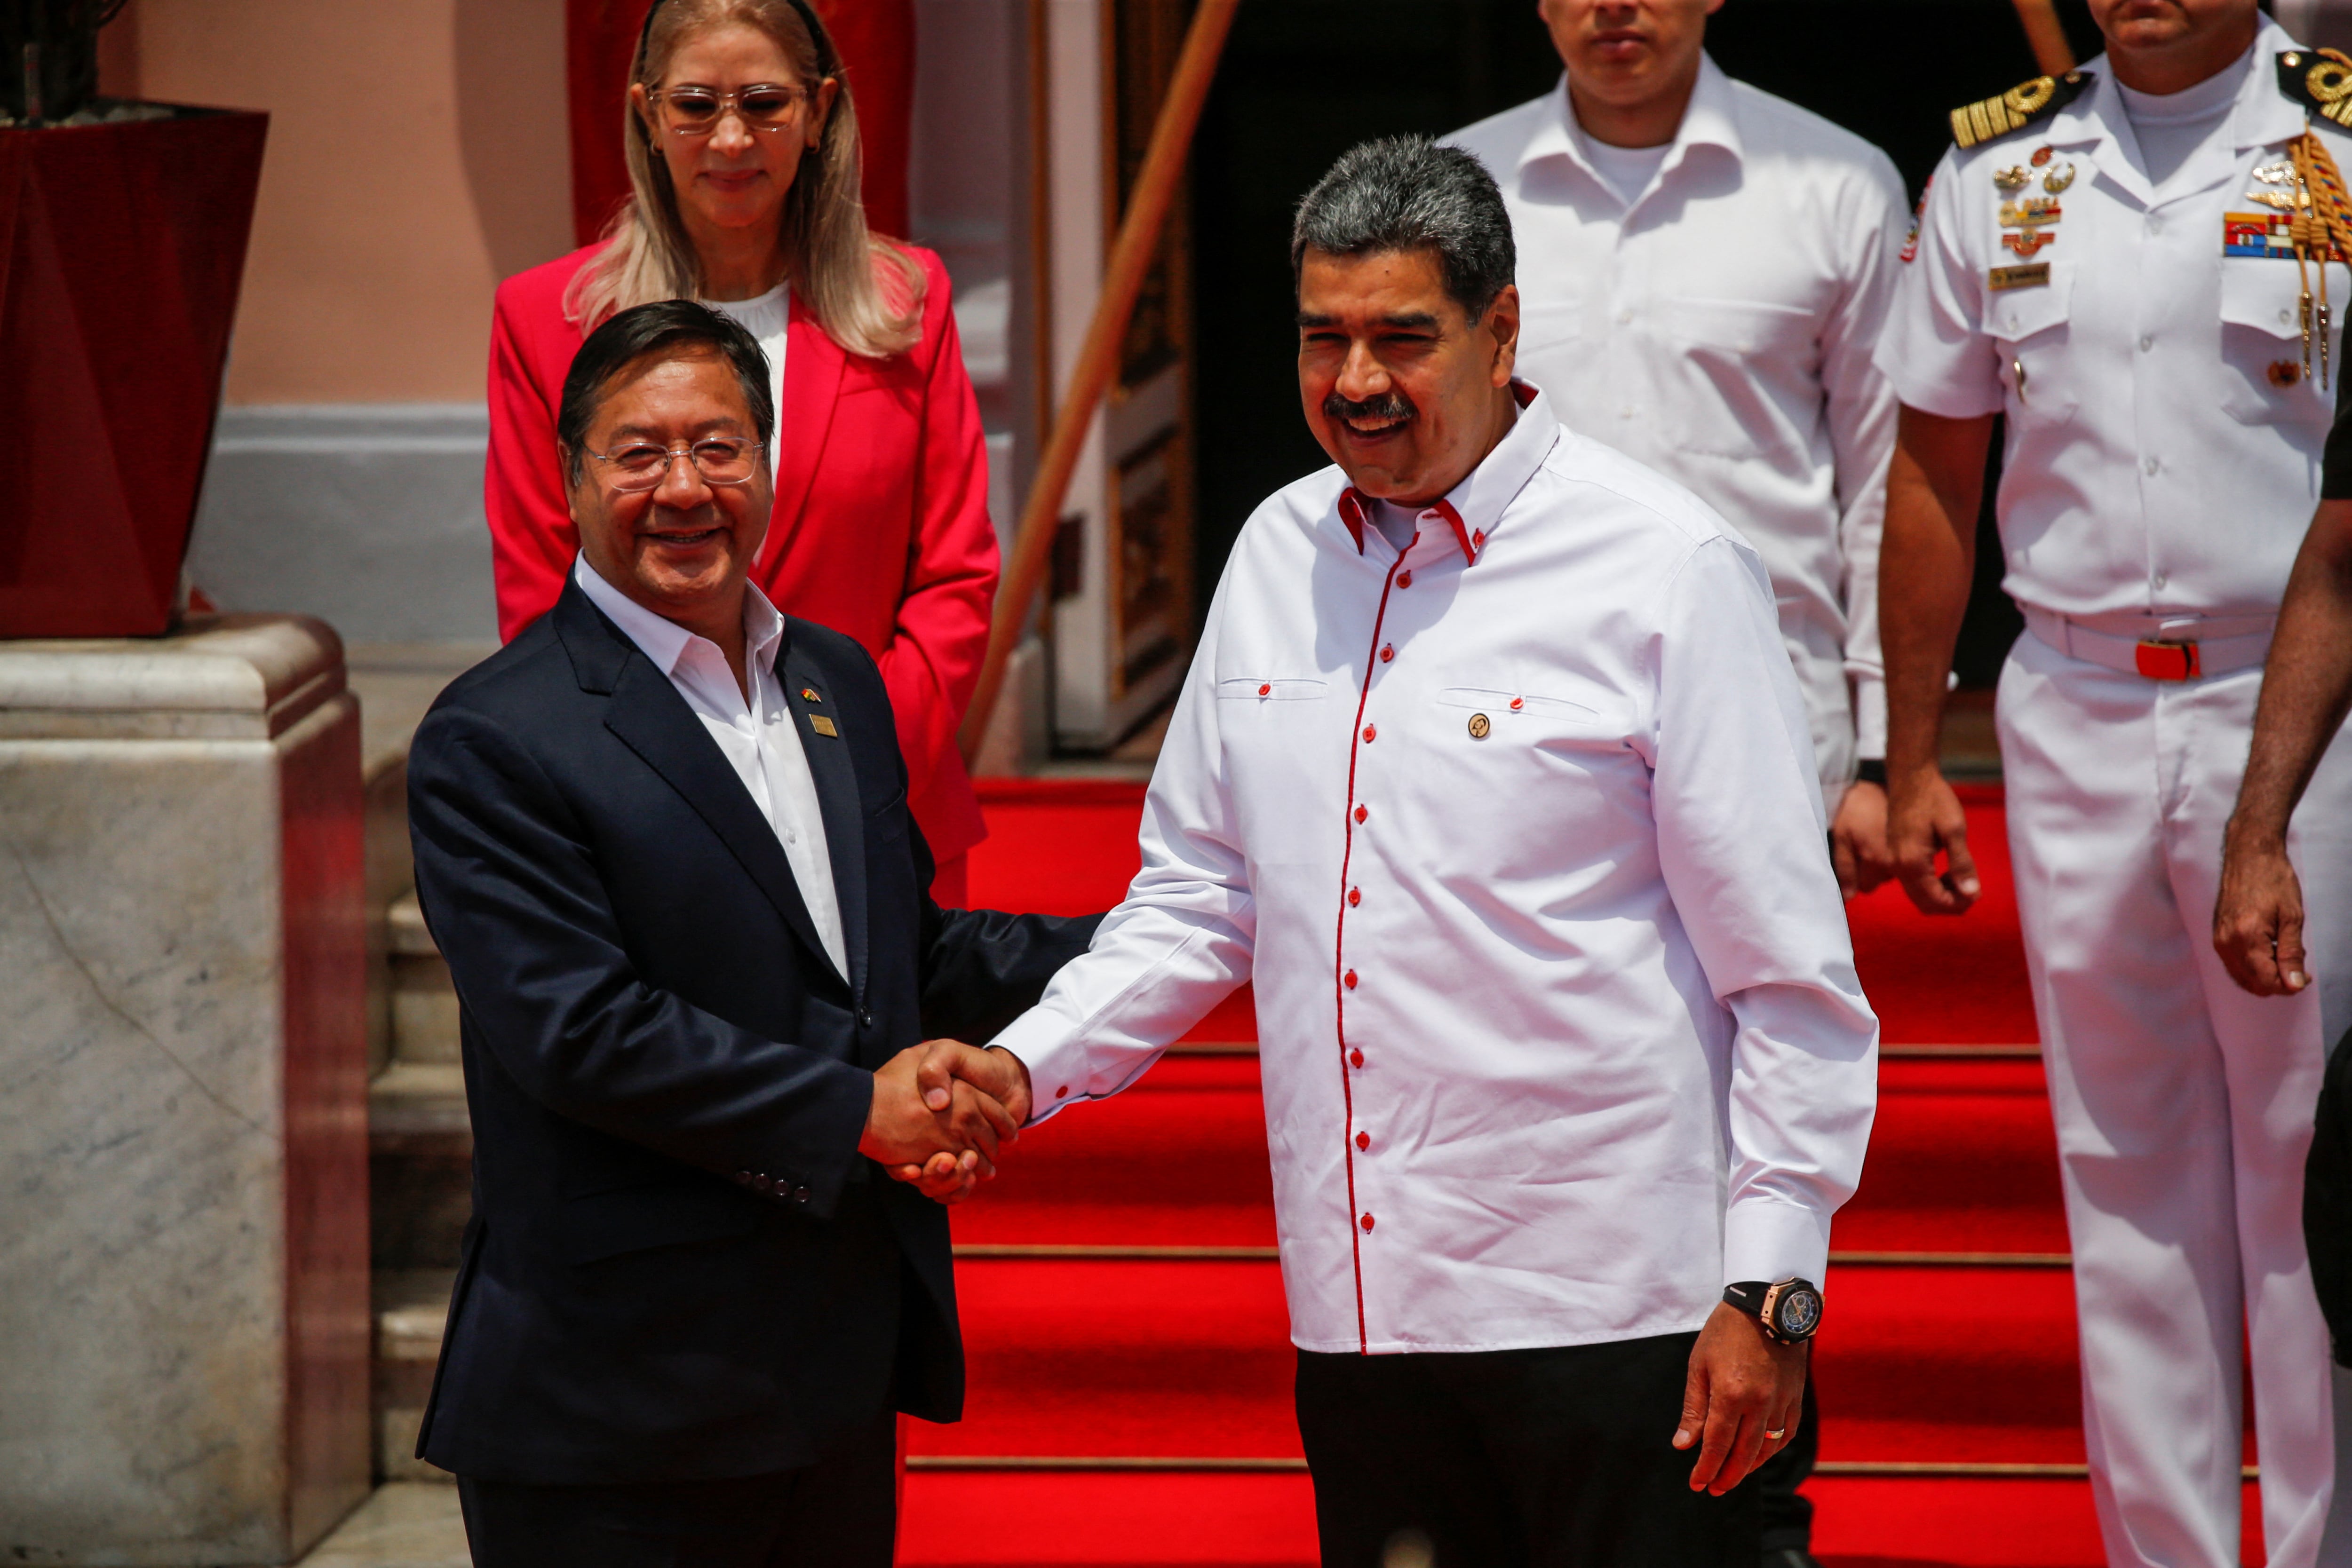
(941, 1111)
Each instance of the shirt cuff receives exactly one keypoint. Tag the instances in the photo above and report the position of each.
(1765, 1238)
(1870, 718)
(1054, 1056)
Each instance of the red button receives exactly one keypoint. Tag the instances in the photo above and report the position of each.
(1355, 1059)
(1063, 1092)
(1518, 703)
(1359, 813)
(1388, 652)
(1366, 1222)
(1477, 537)
(1264, 691)
(1371, 732)
(1404, 579)
(1351, 979)
(1355, 897)
(1363, 1140)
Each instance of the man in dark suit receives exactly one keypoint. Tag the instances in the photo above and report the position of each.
(663, 839)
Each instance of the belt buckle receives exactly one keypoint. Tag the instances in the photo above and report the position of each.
(2161, 660)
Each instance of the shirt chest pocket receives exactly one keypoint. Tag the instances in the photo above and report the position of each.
(2031, 324)
(2264, 382)
(1513, 720)
(1551, 323)
(1731, 353)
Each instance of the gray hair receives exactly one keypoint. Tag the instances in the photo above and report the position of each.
(1407, 192)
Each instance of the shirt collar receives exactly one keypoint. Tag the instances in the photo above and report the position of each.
(2264, 115)
(663, 640)
(1473, 509)
(1710, 120)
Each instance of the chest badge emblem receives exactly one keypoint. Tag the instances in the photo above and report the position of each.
(1479, 726)
(2042, 155)
(2028, 242)
(808, 694)
(2057, 179)
(2011, 179)
(823, 726)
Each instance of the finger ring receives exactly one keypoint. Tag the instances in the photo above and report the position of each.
(1776, 1436)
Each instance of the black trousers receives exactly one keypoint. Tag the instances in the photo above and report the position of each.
(1515, 1458)
(1786, 1512)
(840, 1513)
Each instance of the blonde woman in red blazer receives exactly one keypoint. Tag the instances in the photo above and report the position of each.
(744, 156)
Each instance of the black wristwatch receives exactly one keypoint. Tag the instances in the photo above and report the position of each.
(1871, 771)
(1789, 1310)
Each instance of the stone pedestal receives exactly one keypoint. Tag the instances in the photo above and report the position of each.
(184, 1268)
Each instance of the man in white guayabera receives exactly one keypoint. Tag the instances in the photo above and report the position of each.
(1492, 773)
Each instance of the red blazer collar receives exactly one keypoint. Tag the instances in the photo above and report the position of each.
(814, 364)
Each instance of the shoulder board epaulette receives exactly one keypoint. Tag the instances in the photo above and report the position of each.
(2319, 80)
(2015, 109)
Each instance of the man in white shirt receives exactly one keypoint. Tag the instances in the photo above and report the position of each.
(1704, 270)
(1491, 774)
(2111, 261)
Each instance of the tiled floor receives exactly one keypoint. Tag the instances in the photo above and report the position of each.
(408, 1524)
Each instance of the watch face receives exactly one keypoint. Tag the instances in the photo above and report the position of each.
(1798, 1312)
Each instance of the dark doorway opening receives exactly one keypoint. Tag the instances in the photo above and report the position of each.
(1304, 79)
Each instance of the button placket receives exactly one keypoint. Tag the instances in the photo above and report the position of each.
(1381, 654)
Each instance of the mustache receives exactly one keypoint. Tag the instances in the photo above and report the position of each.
(1390, 404)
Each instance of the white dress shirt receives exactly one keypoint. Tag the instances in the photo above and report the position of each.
(1716, 324)
(2163, 452)
(1519, 836)
(757, 737)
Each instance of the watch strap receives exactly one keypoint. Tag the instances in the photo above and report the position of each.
(1747, 1295)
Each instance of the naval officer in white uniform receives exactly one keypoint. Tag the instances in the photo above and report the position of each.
(2107, 260)
(1704, 272)
(1492, 774)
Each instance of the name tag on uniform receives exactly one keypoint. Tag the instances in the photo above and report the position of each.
(2001, 278)
(822, 725)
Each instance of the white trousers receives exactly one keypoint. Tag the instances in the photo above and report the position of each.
(2183, 1105)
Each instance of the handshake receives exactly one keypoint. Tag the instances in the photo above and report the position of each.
(940, 1111)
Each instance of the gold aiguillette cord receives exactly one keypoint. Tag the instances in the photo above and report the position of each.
(2321, 231)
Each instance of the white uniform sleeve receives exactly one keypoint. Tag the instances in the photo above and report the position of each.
(1178, 944)
(1861, 408)
(1935, 348)
(1739, 824)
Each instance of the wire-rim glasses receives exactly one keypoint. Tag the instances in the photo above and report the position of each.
(697, 110)
(643, 465)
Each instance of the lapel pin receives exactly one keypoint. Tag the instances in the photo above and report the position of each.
(1479, 724)
(808, 694)
(823, 726)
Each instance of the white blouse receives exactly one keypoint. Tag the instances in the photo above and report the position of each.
(767, 317)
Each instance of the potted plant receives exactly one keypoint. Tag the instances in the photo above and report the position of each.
(123, 237)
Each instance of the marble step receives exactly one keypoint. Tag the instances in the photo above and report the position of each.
(424, 1004)
(412, 1312)
(420, 1165)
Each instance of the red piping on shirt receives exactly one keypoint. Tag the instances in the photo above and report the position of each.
(1339, 951)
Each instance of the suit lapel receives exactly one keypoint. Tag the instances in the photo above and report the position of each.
(836, 776)
(654, 721)
(814, 365)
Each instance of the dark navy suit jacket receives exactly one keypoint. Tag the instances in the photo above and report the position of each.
(679, 1266)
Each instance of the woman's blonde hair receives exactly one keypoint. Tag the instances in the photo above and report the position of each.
(864, 291)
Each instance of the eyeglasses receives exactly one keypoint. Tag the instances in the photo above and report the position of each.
(642, 465)
(697, 110)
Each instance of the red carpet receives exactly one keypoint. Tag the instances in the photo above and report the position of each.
(1132, 1408)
